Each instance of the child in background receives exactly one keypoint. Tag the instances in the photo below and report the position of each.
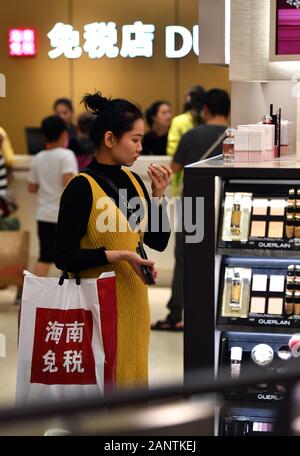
(50, 171)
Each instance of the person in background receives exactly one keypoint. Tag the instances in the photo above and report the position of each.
(7, 160)
(3, 184)
(50, 171)
(8, 155)
(63, 107)
(159, 117)
(90, 247)
(3, 170)
(82, 145)
(190, 118)
(198, 140)
(190, 150)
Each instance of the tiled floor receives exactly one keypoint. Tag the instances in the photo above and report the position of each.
(166, 349)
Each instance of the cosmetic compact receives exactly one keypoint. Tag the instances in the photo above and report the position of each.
(262, 354)
(247, 420)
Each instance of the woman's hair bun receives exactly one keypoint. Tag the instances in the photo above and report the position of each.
(95, 103)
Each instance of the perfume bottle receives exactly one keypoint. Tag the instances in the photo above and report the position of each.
(297, 303)
(228, 146)
(292, 195)
(297, 226)
(290, 226)
(235, 361)
(235, 296)
(236, 215)
(290, 209)
(297, 284)
(290, 283)
(289, 302)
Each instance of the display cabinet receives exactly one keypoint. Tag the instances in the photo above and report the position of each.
(242, 278)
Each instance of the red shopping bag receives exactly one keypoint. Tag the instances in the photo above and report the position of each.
(68, 338)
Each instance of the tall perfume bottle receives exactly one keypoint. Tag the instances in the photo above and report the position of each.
(228, 146)
(236, 287)
(236, 215)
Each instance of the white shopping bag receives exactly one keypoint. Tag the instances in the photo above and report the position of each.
(68, 338)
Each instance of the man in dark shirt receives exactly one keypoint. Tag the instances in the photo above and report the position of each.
(192, 147)
(197, 141)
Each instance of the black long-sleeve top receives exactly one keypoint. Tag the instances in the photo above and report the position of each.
(75, 207)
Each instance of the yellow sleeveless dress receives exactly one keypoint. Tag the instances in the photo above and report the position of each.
(132, 294)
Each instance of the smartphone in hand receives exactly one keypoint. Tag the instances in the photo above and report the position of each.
(145, 270)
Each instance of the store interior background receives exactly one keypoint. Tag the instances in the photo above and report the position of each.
(32, 85)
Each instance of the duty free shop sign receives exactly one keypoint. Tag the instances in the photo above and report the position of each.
(103, 39)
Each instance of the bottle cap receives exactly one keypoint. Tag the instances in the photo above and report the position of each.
(262, 354)
(236, 354)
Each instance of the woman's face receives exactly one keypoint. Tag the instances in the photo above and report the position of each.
(126, 150)
(163, 116)
(64, 112)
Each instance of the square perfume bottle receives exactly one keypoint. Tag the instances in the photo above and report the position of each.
(236, 219)
(236, 292)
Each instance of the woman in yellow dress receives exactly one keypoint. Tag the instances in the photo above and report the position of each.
(105, 211)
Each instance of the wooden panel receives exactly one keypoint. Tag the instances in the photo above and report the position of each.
(33, 84)
(140, 79)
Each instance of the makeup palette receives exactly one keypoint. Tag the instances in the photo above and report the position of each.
(248, 420)
(267, 294)
(267, 218)
(247, 426)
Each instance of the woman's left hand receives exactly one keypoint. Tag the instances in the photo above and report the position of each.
(160, 178)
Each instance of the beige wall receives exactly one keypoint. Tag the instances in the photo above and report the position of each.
(33, 84)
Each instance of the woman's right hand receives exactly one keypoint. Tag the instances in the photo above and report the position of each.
(135, 261)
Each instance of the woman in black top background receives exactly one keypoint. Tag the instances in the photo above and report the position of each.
(159, 117)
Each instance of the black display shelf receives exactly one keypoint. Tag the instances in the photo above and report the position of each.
(248, 420)
(200, 180)
(263, 321)
(247, 341)
(266, 246)
(202, 261)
